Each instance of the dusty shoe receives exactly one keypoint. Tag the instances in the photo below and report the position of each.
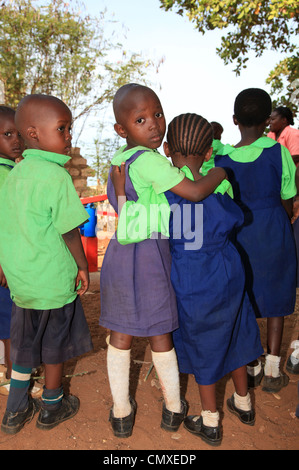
(12, 423)
(210, 435)
(123, 427)
(171, 421)
(275, 384)
(49, 419)
(246, 417)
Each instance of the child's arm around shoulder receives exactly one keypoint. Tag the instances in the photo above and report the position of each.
(73, 241)
(196, 191)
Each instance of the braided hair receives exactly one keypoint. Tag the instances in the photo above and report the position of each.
(190, 134)
(285, 112)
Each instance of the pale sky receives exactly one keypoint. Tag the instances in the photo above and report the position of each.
(192, 78)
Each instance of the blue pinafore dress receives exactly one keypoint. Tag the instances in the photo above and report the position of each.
(137, 297)
(218, 332)
(5, 304)
(265, 241)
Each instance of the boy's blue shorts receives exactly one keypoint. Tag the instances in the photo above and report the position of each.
(49, 336)
(5, 313)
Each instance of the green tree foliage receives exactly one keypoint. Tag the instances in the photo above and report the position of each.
(56, 49)
(252, 26)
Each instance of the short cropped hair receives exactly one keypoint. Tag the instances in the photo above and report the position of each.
(6, 110)
(190, 134)
(252, 107)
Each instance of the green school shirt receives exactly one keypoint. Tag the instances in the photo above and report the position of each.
(136, 223)
(5, 169)
(250, 153)
(151, 175)
(38, 203)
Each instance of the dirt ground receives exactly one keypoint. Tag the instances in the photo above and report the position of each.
(276, 427)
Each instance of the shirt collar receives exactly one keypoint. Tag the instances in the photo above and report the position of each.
(49, 156)
(6, 161)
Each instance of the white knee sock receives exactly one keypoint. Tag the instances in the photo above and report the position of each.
(295, 354)
(243, 403)
(118, 365)
(209, 418)
(167, 369)
(254, 370)
(272, 365)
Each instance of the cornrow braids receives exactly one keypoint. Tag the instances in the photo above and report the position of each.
(190, 134)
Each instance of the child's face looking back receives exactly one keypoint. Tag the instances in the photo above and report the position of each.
(47, 126)
(142, 121)
(11, 142)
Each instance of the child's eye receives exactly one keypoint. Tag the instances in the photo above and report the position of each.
(61, 128)
(8, 134)
(140, 120)
(159, 115)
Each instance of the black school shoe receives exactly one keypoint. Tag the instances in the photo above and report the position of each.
(275, 384)
(171, 421)
(246, 417)
(123, 427)
(49, 419)
(12, 423)
(210, 435)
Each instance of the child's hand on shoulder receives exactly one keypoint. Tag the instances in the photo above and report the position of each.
(220, 171)
(118, 178)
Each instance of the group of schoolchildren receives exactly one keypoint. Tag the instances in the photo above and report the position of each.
(219, 253)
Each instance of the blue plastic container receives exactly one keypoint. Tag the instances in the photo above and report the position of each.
(89, 229)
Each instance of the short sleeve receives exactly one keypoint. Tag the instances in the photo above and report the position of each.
(157, 171)
(292, 141)
(288, 185)
(67, 211)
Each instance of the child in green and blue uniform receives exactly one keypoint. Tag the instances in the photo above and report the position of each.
(11, 148)
(42, 258)
(262, 173)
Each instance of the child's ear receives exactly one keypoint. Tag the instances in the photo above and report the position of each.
(120, 130)
(32, 133)
(235, 120)
(166, 149)
(208, 154)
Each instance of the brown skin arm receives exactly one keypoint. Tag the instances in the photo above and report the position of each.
(192, 190)
(73, 242)
(196, 191)
(295, 208)
(3, 282)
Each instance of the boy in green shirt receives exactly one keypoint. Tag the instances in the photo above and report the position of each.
(42, 258)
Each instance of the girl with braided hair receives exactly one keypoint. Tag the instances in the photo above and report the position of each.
(217, 333)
